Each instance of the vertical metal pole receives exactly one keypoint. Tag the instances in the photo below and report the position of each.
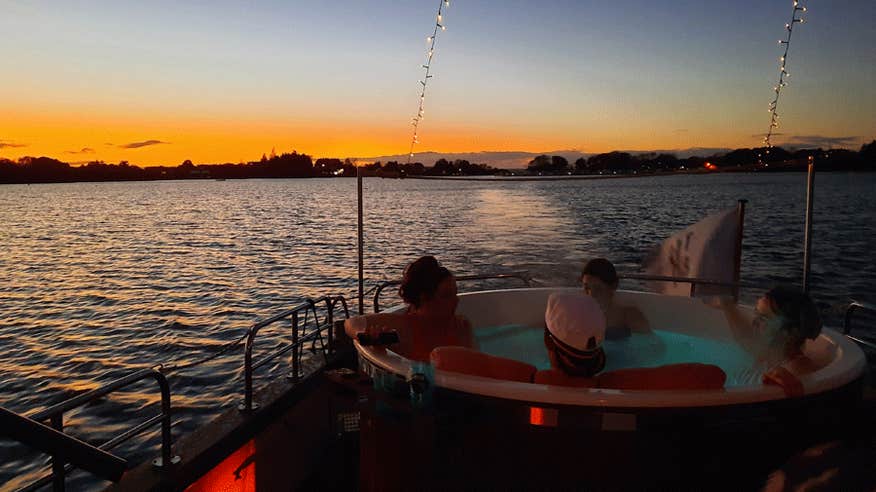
(58, 481)
(361, 241)
(167, 461)
(330, 322)
(807, 239)
(247, 405)
(737, 259)
(295, 352)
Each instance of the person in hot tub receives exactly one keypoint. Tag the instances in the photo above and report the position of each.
(573, 334)
(785, 317)
(600, 282)
(430, 321)
(575, 328)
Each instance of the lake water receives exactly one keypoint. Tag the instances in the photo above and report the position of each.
(97, 279)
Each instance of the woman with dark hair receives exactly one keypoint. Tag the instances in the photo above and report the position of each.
(785, 317)
(430, 321)
(600, 282)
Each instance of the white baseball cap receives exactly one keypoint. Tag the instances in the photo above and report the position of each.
(576, 320)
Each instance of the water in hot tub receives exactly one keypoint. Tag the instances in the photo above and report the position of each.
(661, 347)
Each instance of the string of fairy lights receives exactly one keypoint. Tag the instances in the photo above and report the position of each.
(431, 41)
(783, 72)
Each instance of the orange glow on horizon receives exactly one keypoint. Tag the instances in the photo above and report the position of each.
(78, 135)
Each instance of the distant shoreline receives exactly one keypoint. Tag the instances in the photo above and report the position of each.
(29, 170)
(522, 178)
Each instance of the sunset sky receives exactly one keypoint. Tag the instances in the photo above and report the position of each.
(217, 81)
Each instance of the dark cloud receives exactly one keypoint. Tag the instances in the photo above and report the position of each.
(820, 141)
(85, 150)
(137, 145)
(4, 145)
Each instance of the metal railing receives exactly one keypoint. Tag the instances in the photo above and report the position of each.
(847, 321)
(522, 276)
(299, 338)
(55, 414)
(694, 282)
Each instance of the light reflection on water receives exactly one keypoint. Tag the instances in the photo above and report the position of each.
(97, 279)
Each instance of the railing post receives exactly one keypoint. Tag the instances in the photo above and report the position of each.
(295, 357)
(377, 296)
(847, 319)
(58, 479)
(248, 405)
(693, 288)
(330, 307)
(166, 460)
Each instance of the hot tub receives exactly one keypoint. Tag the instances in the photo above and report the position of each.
(496, 434)
(842, 361)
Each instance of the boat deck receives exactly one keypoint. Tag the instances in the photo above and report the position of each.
(395, 446)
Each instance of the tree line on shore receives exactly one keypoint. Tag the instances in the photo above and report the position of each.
(757, 159)
(295, 165)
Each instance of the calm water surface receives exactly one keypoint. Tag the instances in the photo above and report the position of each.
(97, 279)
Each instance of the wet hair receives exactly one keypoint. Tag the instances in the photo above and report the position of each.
(421, 279)
(800, 317)
(601, 269)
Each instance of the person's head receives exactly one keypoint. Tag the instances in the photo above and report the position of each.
(573, 334)
(599, 279)
(792, 311)
(428, 287)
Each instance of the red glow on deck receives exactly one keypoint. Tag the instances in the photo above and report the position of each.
(545, 417)
(237, 473)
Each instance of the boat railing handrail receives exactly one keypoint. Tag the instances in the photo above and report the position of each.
(522, 276)
(693, 281)
(299, 338)
(55, 414)
(847, 320)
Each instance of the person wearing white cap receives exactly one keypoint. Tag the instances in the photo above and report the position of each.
(573, 335)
